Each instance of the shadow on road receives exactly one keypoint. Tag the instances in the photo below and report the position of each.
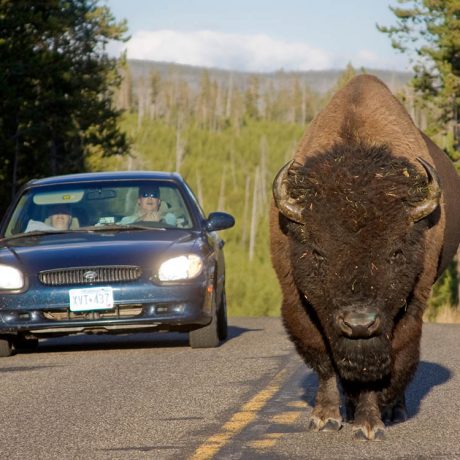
(235, 331)
(112, 342)
(24, 369)
(120, 342)
(428, 376)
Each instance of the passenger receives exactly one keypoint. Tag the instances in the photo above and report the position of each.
(148, 208)
(60, 218)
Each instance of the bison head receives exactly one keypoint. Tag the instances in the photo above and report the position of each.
(355, 217)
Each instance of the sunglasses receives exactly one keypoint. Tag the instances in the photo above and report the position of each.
(151, 195)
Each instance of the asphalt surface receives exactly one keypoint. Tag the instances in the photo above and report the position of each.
(151, 396)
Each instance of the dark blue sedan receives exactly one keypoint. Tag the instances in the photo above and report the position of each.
(111, 253)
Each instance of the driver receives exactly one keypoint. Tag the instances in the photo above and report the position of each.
(148, 208)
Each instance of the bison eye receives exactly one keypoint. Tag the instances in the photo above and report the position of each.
(397, 257)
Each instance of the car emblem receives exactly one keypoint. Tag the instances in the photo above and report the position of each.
(90, 276)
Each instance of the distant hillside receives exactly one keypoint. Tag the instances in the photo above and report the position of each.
(319, 81)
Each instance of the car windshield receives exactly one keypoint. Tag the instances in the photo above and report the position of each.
(122, 204)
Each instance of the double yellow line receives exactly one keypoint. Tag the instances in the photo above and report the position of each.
(239, 420)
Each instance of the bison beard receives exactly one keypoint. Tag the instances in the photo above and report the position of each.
(363, 360)
(363, 229)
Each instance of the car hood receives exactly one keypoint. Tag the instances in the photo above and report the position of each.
(77, 249)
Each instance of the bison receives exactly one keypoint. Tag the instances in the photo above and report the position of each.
(364, 219)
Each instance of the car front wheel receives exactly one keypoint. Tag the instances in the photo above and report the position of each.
(222, 325)
(207, 336)
(6, 347)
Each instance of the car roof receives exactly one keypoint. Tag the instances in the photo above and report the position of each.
(105, 176)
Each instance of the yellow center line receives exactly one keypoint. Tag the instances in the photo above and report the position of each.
(239, 420)
(298, 404)
(267, 442)
(286, 418)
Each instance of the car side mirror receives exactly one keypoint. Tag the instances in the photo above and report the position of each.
(219, 221)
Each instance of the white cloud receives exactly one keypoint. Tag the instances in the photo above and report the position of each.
(256, 53)
(367, 56)
(372, 60)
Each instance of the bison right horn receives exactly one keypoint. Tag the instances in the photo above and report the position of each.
(431, 202)
(286, 205)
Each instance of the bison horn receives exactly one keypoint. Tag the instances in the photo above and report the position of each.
(431, 202)
(286, 205)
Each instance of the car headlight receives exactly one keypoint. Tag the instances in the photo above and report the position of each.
(180, 268)
(10, 278)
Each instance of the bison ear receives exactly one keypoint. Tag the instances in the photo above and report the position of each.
(285, 204)
(432, 199)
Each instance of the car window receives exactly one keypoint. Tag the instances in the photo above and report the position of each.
(91, 205)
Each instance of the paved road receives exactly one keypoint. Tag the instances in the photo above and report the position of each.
(151, 397)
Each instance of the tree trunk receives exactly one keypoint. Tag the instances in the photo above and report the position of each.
(199, 189)
(180, 150)
(221, 202)
(53, 156)
(252, 236)
(244, 232)
(16, 161)
(458, 278)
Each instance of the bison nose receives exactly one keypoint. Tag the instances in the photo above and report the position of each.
(359, 325)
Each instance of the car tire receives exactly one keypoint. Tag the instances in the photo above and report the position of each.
(207, 336)
(6, 347)
(222, 323)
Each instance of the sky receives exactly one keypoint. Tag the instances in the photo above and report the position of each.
(260, 35)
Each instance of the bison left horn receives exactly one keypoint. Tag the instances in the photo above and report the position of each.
(431, 201)
(286, 205)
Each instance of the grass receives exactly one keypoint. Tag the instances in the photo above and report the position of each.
(446, 314)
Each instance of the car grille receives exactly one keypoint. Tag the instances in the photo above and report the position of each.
(90, 275)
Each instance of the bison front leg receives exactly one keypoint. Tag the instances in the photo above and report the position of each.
(396, 412)
(368, 424)
(326, 413)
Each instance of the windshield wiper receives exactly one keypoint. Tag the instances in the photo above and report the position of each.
(37, 233)
(118, 227)
(98, 228)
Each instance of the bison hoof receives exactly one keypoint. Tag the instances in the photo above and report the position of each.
(395, 414)
(399, 415)
(365, 433)
(329, 424)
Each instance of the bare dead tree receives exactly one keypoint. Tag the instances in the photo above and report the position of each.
(247, 191)
(134, 161)
(263, 171)
(221, 201)
(154, 93)
(124, 92)
(290, 151)
(199, 188)
(458, 278)
(253, 232)
(142, 101)
(303, 107)
(228, 104)
(180, 149)
(233, 167)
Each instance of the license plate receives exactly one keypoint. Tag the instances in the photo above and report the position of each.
(98, 298)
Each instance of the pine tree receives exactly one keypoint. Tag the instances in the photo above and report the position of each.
(429, 31)
(56, 88)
